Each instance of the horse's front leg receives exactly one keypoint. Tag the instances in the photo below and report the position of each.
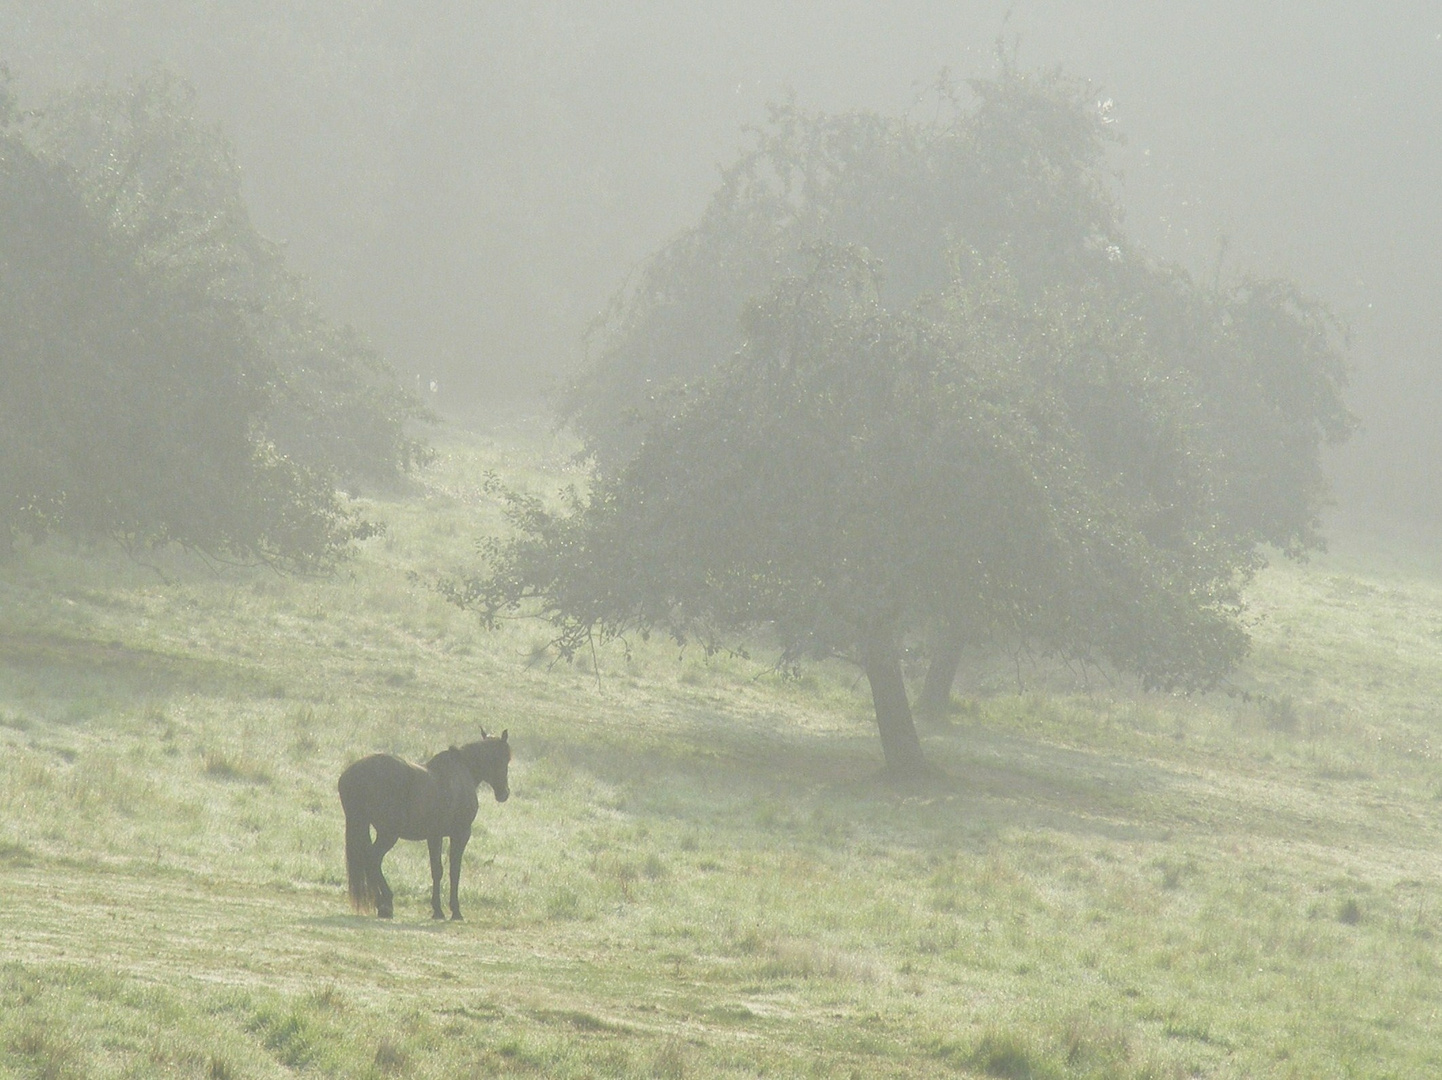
(458, 848)
(385, 900)
(434, 843)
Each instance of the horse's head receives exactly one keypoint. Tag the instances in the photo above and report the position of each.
(489, 762)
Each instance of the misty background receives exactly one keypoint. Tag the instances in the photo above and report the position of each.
(468, 183)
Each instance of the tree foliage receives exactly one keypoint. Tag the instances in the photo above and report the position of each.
(1017, 175)
(1018, 180)
(952, 401)
(167, 186)
(163, 378)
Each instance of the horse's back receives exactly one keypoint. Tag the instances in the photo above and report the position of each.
(369, 773)
(380, 784)
(398, 795)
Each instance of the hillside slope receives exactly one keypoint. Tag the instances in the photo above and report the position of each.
(698, 874)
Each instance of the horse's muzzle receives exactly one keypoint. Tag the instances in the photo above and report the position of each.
(503, 795)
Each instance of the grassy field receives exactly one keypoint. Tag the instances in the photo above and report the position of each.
(698, 873)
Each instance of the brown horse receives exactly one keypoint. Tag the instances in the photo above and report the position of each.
(426, 802)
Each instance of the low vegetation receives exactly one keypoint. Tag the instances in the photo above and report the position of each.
(699, 872)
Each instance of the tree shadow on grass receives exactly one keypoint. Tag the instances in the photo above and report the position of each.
(981, 783)
(397, 925)
(76, 670)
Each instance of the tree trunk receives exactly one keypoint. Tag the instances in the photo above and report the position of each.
(935, 699)
(899, 742)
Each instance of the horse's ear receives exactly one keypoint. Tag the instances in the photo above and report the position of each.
(483, 733)
(504, 733)
(454, 748)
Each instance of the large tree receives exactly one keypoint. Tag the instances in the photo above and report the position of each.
(1017, 179)
(854, 478)
(1039, 433)
(1019, 174)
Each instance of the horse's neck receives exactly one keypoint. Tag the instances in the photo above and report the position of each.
(451, 773)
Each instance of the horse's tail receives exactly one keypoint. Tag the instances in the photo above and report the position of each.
(357, 858)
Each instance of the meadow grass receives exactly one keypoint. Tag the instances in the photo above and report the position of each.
(699, 873)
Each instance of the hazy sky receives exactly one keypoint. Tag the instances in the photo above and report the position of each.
(468, 181)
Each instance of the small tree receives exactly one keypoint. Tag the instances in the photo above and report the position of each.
(166, 187)
(1207, 407)
(162, 379)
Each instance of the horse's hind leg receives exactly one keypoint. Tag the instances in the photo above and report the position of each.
(385, 900)
(434, 842)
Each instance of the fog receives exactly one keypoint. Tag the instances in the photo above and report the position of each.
(468, 183)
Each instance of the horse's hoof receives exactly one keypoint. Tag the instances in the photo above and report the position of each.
(438, 915)
(456, 917)
(384, 915)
